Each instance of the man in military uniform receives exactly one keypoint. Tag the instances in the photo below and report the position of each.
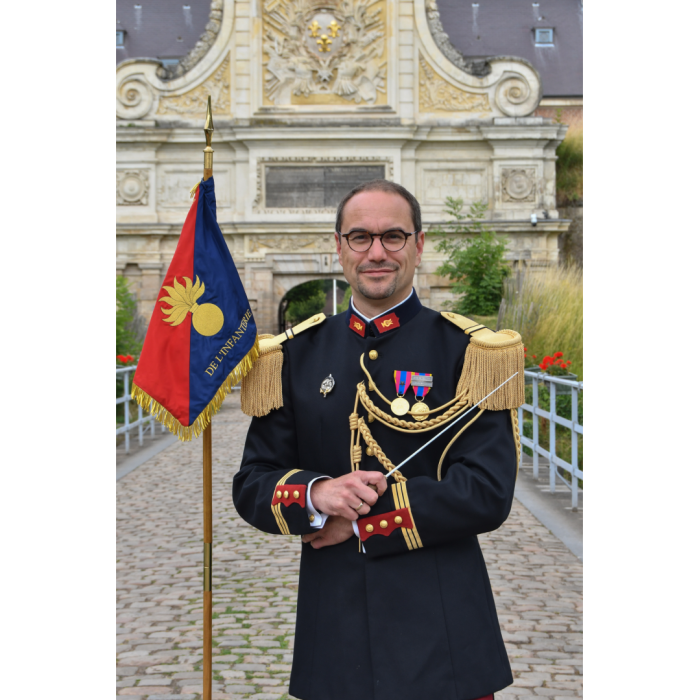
(394, 598)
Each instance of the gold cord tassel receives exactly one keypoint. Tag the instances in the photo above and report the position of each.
(489, 361)
(261, 389)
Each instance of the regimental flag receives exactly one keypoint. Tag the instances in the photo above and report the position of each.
(202, 338)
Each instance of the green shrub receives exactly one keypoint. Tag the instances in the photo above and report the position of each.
(310, 298)
(130, 326)
(475, 263)
(570, 169)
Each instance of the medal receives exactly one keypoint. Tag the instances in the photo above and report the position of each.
(400, 406)
(422, 382)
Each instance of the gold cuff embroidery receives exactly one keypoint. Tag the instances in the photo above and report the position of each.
(400, 495)
(277, 509)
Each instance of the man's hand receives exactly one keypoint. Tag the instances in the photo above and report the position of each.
(344, 495)
(335, 531)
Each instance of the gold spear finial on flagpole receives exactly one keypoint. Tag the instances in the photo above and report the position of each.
(208, 151)
(207, 481)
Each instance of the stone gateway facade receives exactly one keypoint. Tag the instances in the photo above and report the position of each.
(310, 98)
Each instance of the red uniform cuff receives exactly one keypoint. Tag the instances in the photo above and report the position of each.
(288, 494)
(385, 523)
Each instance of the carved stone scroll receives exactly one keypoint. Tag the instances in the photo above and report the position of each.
(194, 102)
(436, 94)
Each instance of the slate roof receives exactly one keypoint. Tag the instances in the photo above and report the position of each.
(507, 28)
(160, 28)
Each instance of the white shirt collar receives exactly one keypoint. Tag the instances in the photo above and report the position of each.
(384, 313)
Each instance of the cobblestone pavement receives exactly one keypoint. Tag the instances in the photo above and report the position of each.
(536, 581)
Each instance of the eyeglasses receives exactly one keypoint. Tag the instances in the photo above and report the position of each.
(392, 240)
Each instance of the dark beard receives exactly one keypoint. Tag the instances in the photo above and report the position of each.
(374, 295)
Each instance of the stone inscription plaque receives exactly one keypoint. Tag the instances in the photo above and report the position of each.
(314, 187)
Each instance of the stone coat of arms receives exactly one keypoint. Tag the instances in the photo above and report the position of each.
(324, 52)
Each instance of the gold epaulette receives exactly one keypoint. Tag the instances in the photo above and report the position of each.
(261, 388)
(491, 357)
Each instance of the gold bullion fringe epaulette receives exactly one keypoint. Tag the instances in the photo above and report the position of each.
(187, 432)
(489, 360)
(261, 389)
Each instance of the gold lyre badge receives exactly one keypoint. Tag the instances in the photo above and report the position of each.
(387, 323)
(207, 319)
(327, 385)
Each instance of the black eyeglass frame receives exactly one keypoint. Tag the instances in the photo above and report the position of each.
(381, 239)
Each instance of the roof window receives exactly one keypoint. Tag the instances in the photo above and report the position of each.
(544, 37)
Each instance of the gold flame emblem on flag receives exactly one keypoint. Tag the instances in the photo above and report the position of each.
(207, 319)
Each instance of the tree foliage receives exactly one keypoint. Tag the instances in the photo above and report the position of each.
(129, 323)
(475, 259)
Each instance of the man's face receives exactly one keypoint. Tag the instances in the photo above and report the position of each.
(378, 273)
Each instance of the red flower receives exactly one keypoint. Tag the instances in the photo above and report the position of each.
(558, 354)
(129, 358)
(534, 357)
(543, 366)
(525, 349)
(547, 358)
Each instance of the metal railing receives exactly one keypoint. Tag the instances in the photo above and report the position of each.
(139, 423)
(572, 424)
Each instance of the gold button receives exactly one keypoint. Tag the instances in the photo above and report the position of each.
(451, 315)
(384, 524)
(279, 494)
(312, 518)
(371, 418)
(369, 451)
(296, 494)
(369, 528)
(373, 354)
(398, 520)
(286, 494)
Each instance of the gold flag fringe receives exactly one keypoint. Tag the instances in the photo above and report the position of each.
(488, 362)
(187, 432)
(261, 389)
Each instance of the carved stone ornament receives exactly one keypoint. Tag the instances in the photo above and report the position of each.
(518, 184)
(194, 102)
(324, 52)
(204, 43)
(258, 203)
(132, 187)
(515, 97)
(436, 94)
(477, 67)
(134, 98)
(261, 244)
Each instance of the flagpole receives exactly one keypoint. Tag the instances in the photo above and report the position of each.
(206, 477)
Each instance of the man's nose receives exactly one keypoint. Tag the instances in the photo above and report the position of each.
(376, 250)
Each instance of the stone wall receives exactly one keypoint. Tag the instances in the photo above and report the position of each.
(320, 93)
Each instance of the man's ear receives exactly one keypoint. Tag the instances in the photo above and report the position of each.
(337, 247)
(420, 243)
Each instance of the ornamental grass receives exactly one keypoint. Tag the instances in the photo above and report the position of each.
(546, 308)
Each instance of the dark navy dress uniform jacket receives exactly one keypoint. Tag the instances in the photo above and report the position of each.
(413, 618)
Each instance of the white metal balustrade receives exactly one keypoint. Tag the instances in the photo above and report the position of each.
(139, 423)
(572, 424)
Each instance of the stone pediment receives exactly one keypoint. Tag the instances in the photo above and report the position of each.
(319, 59)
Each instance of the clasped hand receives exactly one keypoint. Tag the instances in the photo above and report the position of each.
(338, 498)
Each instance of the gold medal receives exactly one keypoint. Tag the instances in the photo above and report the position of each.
(419, 411)
(399, 406)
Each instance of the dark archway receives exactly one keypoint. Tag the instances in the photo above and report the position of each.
(309, 298)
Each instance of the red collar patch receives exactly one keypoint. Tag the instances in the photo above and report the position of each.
(387, 323)
(357, 325)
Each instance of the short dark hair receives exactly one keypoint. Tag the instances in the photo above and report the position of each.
(381, 186)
